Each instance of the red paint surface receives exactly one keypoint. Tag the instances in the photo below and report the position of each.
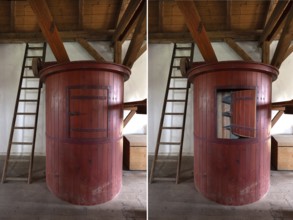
(231, 172)
(84, 102)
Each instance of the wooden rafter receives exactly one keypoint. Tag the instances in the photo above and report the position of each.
(90, 50)
(49, 29)
(277, 117)
(238, 49)
(275, 19)
(271, 7)
(129, 16)
(289, 51)
(118, 52)
(141, 50)
(266, 52)
(137, 40)
(197, 29)
(121, 10)
(285, 40)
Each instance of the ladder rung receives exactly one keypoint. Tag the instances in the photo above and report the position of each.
(24, 127)
(30, 88)
(26, 113)
(27, 100)
(35, 48)
(171, 127)
(166, 160)
(175, 100)
(183, 48)
(170, 143)
(22, 143)
(177, 67)
(177, 77)
(182, 57)
(33, 56)
(164, 179)
(30, 77)
(179, 88)
(19, 160)
(173, 113)
(16, 178)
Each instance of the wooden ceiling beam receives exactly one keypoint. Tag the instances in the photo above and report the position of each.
(130, 15)
(137, 40)
(49, 29)
(90, 50)
(238, 49)
(197, 29)
(275, 19)
(285, 40)
(16, 37)
(214, 36)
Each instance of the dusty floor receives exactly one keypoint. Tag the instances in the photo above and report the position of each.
(170, 201)
(21, 201)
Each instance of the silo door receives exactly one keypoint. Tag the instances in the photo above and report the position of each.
(88, 112)
(243, 113)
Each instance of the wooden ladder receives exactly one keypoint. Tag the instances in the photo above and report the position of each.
(25, 118)
(176, 84)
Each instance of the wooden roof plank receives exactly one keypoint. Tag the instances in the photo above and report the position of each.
(80, 13)
(137, 40)
(238, 49)
(90, 50)
(278, 13)
(228, 14)
(129, 16)
(197, 29)
(285, 41)
(49, 29)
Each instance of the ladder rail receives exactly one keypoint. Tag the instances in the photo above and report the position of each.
(184, 122)
(36, 122)
(14, 116)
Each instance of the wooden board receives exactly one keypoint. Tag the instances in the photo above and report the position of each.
(282, 152)
(134, 152)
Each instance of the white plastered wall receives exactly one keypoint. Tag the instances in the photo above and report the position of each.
(11, 58)
(158, 68)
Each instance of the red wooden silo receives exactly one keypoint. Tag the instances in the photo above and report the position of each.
(84, 103)
(232, 120)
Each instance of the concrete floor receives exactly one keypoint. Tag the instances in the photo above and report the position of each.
(21, 201)
(170, 201)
